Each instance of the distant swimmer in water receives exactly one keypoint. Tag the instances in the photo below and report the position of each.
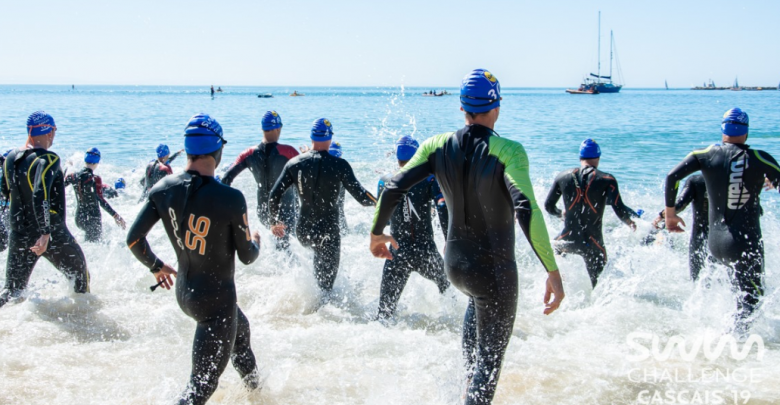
(317, 176)
(586, 193)
(266, 161)
(734, 175)
(486, 184)
(35, 185)
(206, 223)
(89, 190)
(335, 150)
(158, 168)
(411, 225)
(212, 91)
(119, 186)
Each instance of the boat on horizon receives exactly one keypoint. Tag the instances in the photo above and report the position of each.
(595, 81)
(296, 94)
(265, 95)
(666, 85)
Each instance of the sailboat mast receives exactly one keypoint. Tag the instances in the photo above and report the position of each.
(598, 57)
(610, 55)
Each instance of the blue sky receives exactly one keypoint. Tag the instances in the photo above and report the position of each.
(392, 43)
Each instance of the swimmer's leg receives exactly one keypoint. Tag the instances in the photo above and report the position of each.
(697, 254)
(431, 266)
(748, 273)
(66, 255)
(211, 351)
(242, 356)
(327, 256)
(495, 318)
(395, 275)
(595, 260)
(18, 268)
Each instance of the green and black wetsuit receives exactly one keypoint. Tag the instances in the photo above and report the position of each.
(412, 227)
(89, 195)
(486, 185)
(317, 176)
(206, 223)
(734, 176)
(34, 183)
(586, 193)
(266, 162)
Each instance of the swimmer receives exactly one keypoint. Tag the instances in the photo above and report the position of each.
(158, 168)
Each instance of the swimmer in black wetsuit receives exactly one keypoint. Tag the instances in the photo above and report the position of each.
(335, 150)
(586, 192)
(486, 184)
(317, 176)
(89, 194)
(4, 204)
(412, 228)
(266, 162)
(206, 223)
(734, 174)
(159, 168)
(33, 182)
(693, 192)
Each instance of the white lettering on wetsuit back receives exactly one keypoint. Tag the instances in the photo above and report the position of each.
(738, 194)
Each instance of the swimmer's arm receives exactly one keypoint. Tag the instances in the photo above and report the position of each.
(136, 237)
(551, 203)
(685, 198)
(441, 207)
(4, 187)
(71, 179)
(101, 199)
(174, 156)
(246, 249)
(238, 166)
(771, 168)
(395, 190)
(284, 182)
(351, 183)
(688, 166)
(46, 168)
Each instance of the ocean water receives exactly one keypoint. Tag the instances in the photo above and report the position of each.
(124, 344)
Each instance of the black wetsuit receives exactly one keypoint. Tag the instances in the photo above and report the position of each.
(206, 223)
(4, 203)
(486, 185)
(156, 171)
(695, 192)
(317, 176)
(266, 162)
(34, 183)
(342, 216)
(412, 227)
(89, 194)
(734, 176)
(586, 192)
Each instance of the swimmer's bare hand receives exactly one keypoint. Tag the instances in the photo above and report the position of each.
(673, 221)
(119, 221)
(304, 148)
(256, 238)
(554, 290)
(632, 225)
(163, 276)
(657, 222)
(378, 246)
(278, 229)
(768, 185)
(41, 245)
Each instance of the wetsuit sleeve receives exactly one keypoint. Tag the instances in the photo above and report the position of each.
(771, 168)
(101, 199)
(41, 178)
(174, 156)
(518, 180)
(246, 249)
(71, 179)
(441, 207)
(685, 198)
(689, 165)
(284, 182)
(351, 184)
(415, 171)
(616, 202)
(136, 237)
(550, 204)
(238, 166)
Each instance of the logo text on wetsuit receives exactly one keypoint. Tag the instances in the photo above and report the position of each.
(738, 194)
(175, 226)
(196, 235)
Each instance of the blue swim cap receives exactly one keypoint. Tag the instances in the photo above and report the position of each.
(406, 147)
(163, 151)
(92, 156)
(271, 120)
(335, 149)
(589, 149)
(119, 184)
(40, 123)
(735, 122)
(480, 92)
(203, 135)
(321, 130)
